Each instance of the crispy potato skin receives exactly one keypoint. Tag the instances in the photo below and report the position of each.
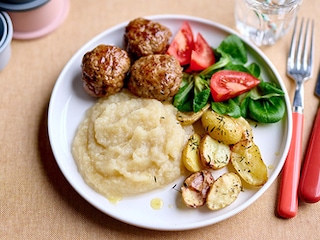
(224, 191)
(221, 127)
(195, 188)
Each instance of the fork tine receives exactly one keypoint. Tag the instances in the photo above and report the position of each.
(305, 50)
(311, 51)
(291, 56)
(299, 50)
(307, 56)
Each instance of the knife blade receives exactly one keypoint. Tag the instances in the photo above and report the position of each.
(317, 90)
(309, 185)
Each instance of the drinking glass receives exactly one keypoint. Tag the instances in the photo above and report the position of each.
(265, 21)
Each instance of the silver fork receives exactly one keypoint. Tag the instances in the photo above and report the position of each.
(299, 68)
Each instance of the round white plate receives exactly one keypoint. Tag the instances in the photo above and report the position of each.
(67, 109)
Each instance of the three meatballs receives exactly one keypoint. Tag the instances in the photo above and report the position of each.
(153, 74)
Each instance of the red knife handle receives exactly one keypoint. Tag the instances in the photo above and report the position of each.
(288, 196)
(309, 186)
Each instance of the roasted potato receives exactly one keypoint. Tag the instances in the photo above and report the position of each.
(224, 191)
(195, 188)
(246, 140)
(214, 154)
(220, 127)
(190, 154)
(249, 164)
(246, 129)
(188, 118)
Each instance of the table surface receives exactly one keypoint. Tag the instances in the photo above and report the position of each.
(36, 201)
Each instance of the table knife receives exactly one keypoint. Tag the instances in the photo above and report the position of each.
(309, 185)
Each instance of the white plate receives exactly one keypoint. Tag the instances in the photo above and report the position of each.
(67, 109)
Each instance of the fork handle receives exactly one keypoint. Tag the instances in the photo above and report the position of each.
(309, 186)
(288, 196)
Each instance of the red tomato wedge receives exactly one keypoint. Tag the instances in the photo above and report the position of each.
(202, 55)
(227, 84)
(182, 44)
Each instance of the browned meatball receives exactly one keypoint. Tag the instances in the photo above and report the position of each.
(155, 76)
(104, 70)
(145, 37)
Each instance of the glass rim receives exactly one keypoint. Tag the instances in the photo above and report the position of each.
(275, 4)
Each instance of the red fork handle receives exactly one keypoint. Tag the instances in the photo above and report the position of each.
(288, 196)
(309, 186)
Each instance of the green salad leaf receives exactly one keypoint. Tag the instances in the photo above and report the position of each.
(264, 104)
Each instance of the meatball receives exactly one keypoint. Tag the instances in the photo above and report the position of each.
(145, 37)
(104, 70)
(155, 76)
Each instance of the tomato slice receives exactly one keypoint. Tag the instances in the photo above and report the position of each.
(227, 84)
(182, 44)
(202, 56)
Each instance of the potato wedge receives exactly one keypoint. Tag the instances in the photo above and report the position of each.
(246, 138)
(224, 191)
(188, 118)
(214, 154)
(246, 129)
(190, 154)
(195, 188)
(249, 165)
(221, 127)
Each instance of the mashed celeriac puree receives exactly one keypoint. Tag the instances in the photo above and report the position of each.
(128, 145)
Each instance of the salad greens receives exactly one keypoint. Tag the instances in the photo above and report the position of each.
(264, 103)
